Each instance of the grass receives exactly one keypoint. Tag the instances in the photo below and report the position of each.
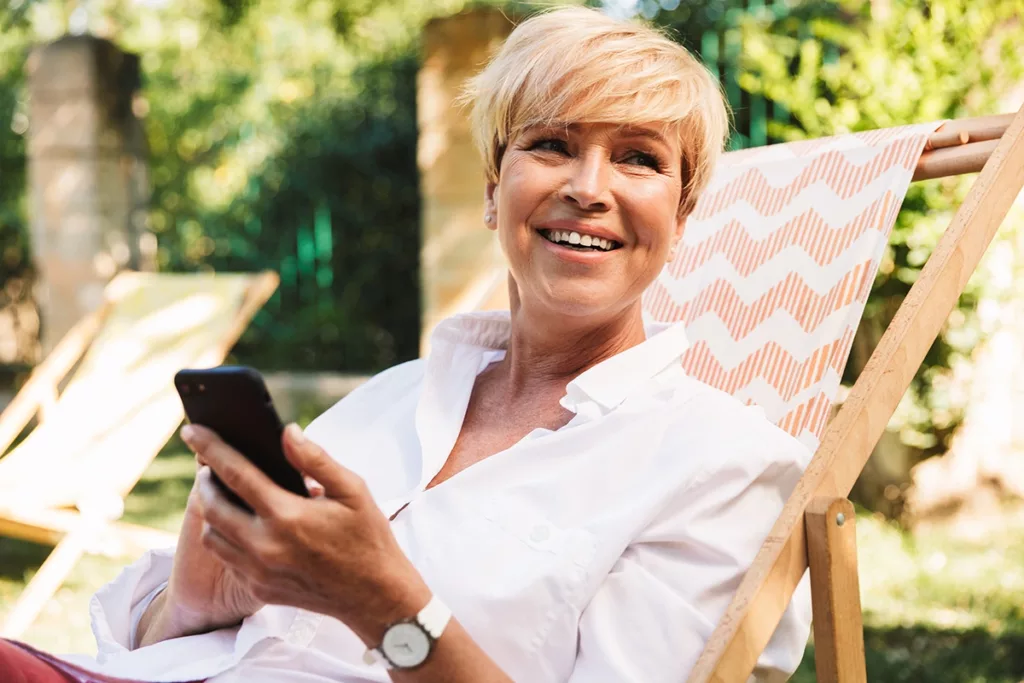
(939, 606)
(158, 500)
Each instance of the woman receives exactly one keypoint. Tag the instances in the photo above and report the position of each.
(549, 476)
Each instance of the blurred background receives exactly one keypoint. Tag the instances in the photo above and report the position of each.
(320, 139)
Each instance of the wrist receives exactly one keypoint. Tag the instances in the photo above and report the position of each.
(398, 601)
(170, 619)
(162, 621)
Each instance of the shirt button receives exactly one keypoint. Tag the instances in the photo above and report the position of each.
(540, 534)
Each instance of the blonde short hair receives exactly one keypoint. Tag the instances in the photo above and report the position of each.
(577, 65)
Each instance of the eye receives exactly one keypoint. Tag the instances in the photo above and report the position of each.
(643, 159)
(550, 145)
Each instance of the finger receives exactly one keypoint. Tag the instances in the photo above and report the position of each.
(315, 488)
(235, 470)
(224, 549)
(223, 516)
(338, 482)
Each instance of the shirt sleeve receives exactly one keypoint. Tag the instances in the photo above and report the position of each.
(138, 610)
(657, 608)
(116, 608)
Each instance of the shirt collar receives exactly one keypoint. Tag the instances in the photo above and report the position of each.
(608, 383)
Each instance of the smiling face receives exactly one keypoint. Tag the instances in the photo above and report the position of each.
(587, 215)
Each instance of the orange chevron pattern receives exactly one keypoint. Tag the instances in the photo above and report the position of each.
(809, 231)
(823, 294)
(788, 375)
(792, 295)
(833, 167)
(800, 148)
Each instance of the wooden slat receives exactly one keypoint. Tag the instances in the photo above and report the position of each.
(44, 584)
(48, 397)
(764, 593)
(43, 381)
(257, 294)
(74, 533)
(835, 591)
(975, 129)
(950, 161)
(258, 291)
(48, 527)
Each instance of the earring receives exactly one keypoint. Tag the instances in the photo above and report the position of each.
(488, 218)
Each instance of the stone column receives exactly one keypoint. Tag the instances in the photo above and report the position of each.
(461, 265)
(87, 185)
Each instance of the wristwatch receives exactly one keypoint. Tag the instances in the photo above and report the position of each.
(408, 643)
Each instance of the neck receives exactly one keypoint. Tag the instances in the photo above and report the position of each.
(546, 351)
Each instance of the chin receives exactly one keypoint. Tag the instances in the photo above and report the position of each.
(579, 300)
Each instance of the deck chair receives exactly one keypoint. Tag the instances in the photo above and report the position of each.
(772, 277)
(65, 483)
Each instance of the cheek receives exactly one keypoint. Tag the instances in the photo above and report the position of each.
(652, 214)
(509, 200)
(525, 186)
(520, 197)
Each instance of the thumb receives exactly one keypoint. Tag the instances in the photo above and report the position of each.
(308, 458)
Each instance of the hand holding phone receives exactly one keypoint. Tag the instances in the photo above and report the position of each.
(234, 402)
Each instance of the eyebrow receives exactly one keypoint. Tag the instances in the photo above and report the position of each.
(628, 131)
(631, 131)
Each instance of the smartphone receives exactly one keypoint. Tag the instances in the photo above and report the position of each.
(233, 401)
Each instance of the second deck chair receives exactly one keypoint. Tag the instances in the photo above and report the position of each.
(65, 483)
(775, 268)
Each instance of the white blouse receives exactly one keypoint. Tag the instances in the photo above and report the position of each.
(604, 551)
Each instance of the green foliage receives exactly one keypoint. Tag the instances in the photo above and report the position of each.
(15, 264)
(282, 135)
(837, 69)
(939, 606)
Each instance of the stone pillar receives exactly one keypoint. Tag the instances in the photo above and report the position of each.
(87, 184)
(461, 265)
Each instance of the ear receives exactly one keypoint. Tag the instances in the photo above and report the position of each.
(490, 206)
(677, 235)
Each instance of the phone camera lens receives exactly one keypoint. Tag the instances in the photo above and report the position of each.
(202, 388)
(186, 389)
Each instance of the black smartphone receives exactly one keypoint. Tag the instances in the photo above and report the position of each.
(233, 401)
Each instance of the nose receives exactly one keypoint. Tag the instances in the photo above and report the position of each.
(587, 185)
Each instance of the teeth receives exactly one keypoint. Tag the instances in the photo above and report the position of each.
(575, 238)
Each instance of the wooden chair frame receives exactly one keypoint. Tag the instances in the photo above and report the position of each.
(72, 533)
(816, 527)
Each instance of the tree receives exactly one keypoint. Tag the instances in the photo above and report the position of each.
(283, 136)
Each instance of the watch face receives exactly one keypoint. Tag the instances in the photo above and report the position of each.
(405, 645)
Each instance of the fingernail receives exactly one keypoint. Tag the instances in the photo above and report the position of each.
(188, 433)
(295, 434)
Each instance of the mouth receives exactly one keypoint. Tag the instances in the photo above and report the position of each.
(579, 241)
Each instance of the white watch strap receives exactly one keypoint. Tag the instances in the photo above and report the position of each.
(433, 619)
